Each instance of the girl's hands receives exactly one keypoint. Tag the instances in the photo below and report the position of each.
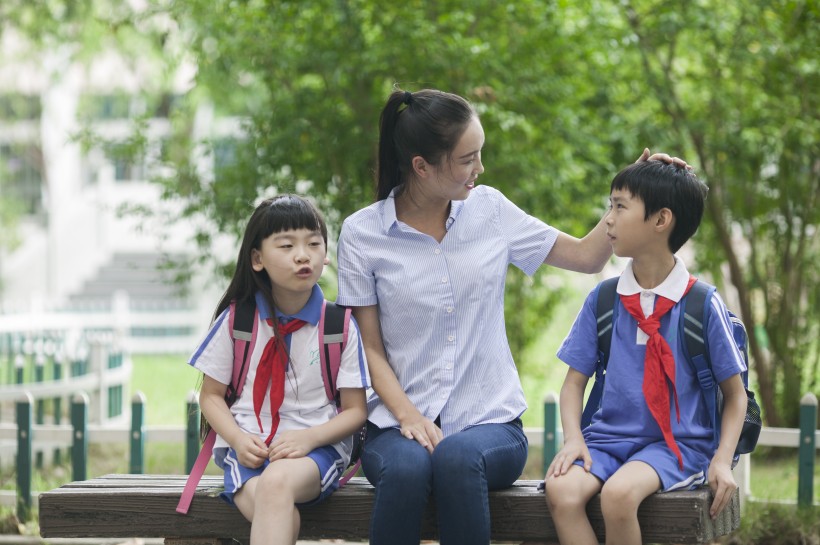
(251, 451)
(292, 444)
(573, 449)
(423, 430)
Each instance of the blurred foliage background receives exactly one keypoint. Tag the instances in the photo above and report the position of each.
(569, 92)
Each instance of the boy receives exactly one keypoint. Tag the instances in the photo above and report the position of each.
(652, 432)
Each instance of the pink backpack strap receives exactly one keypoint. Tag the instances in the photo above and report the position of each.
(243, 332)
(331, 348)
(196, 473)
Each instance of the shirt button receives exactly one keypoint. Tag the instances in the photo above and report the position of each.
(450, 338)
(448, 366)
(449, 310)
(437, 251)
(443, 279)
(443, 396)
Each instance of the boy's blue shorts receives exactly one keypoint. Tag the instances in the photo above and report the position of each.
(236, 475)
(608, 457)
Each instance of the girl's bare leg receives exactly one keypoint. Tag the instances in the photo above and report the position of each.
(269, 501)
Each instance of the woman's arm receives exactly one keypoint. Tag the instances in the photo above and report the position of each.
(586, 255)
(250, 449)
(413, 424)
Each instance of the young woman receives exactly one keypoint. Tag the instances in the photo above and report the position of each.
(424, 268)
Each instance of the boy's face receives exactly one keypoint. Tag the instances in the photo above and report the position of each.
(629, 233)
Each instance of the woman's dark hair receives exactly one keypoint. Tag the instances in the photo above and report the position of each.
(661, 185)
(280, 213)
(427, 123)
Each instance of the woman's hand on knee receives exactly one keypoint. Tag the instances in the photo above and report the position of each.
(423, 430)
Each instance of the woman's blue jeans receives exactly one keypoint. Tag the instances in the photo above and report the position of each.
(462, 469)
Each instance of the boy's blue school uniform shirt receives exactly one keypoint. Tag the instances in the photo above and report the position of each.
(624, 415)
(441, 305)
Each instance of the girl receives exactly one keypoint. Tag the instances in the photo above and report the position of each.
(424, 268)
(282, 443)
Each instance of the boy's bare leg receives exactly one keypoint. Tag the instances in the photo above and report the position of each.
(274, 495)
(620, 497)
(567, 498)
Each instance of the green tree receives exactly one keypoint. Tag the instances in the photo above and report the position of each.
(569, 92)
(310, 80)
(736, 84)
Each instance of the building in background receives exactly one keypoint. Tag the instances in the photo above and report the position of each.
(77, 253)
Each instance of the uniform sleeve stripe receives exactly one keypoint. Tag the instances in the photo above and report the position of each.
(210, 336)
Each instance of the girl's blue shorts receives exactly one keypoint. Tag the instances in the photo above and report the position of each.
(328, 460)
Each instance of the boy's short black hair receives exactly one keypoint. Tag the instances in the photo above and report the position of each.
(662, 185)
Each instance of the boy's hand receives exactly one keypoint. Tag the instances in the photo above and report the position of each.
(251, 451)
(292, 444)
(573, 449)
(677, 161)
(723, 485)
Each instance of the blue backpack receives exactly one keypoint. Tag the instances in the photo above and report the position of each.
(695, 314)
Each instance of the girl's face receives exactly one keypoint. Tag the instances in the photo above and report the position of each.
(294, 260)
(456, 175)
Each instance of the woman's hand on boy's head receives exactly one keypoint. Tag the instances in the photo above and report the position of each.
(663, 157)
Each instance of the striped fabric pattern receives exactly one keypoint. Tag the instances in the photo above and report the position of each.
(441, 305)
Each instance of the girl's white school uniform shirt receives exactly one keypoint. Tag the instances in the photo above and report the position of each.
(305, 404)
(441, 305)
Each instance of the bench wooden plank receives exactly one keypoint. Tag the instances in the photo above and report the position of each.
(144, 506)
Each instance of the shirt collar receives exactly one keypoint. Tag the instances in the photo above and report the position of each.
(309, 313)
(389, 219)
(673, 287)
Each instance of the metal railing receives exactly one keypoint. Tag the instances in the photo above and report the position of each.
(79, 433)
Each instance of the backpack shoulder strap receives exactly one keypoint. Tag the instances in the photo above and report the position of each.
(605, 302)
(694, 323)
(334, 324)
(243, 325)
(605, 312)
(202, 460)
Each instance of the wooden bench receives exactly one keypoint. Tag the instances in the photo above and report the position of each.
(144, 506)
